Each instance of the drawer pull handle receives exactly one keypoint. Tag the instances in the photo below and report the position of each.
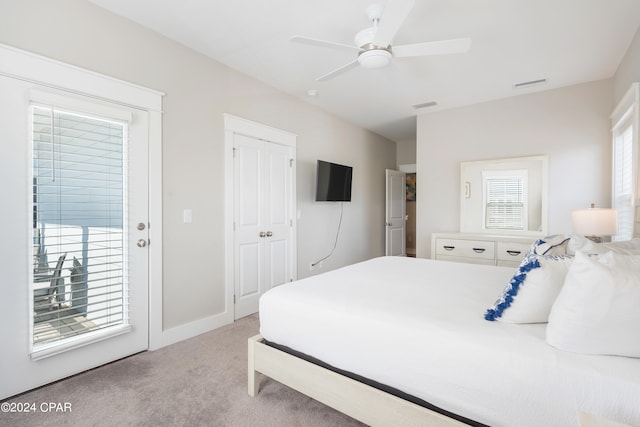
(478, 250)
(514, 253)
(449, 248)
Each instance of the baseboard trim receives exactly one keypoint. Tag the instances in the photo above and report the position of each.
(195, 328)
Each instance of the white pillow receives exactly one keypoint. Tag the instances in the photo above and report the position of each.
(538, 292)
(582, 244)
(531, 292)
(598, 308)
(552, 245)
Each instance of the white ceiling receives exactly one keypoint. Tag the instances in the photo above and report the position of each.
(564, 41)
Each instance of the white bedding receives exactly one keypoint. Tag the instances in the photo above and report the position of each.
(417, 325)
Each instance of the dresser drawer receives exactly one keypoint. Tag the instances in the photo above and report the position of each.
(511, 251)
(478, 249)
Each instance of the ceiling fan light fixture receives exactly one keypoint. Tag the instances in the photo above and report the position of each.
(375, 58)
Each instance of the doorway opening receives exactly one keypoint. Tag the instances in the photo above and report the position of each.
(410, 210)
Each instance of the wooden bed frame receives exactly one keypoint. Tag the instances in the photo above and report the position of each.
(367, 404)
(358, 400)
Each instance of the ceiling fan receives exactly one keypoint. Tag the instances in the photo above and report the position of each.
(373, 44)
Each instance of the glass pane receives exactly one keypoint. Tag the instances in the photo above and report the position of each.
(78, 216)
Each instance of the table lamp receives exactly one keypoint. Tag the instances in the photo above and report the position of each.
(594, 223)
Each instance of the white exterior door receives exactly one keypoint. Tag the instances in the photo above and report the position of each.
(263, 219)
(395, 215)
(98, 311)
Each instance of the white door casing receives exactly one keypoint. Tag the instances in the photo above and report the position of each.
(21, 369)
(261, 245)
(395, 213)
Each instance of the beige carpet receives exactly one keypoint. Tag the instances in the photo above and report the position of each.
(198, 382)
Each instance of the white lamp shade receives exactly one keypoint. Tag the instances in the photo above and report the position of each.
(595, 222)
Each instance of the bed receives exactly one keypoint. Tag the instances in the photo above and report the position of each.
(403, 341)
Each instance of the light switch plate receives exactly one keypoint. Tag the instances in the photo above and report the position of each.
(187, 217)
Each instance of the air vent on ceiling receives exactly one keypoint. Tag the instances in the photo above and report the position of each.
(425, 105)
(529, 83)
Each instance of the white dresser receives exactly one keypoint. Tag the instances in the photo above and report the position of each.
(487, 249)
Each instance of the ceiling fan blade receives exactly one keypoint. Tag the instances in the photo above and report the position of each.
(323, 43)
(442, 47)
(338, 71)
(395, 12)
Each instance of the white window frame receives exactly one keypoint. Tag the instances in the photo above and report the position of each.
(624, 115)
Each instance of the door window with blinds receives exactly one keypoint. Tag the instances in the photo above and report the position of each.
(505, 199)
(79, 193)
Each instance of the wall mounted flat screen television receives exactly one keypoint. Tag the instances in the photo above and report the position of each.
(333, 182)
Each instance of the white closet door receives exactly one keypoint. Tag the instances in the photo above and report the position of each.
(249, 223)
(262, 219)
(277, 218)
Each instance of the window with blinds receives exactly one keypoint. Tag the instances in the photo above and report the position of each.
(79, 189)
(505, 200)
(623, 180)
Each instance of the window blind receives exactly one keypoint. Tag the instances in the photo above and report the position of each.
(79, 190)
(505, 208)
(623, 181)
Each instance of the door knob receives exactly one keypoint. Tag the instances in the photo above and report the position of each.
(262, 234)
(269, 234)
(142, 243)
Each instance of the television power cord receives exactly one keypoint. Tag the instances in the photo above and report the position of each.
(336, 241)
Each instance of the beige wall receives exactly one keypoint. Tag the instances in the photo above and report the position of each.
(629, 69)
(406, 152)
(198, 92)
(570, 124)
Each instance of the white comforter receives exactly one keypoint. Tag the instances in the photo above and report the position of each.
(417, 325)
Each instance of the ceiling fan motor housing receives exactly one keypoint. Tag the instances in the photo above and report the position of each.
(365, 37)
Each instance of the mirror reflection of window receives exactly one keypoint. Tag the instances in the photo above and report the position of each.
(504, 196)
(505, 199)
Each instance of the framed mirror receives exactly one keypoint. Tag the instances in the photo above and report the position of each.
(504, 196)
